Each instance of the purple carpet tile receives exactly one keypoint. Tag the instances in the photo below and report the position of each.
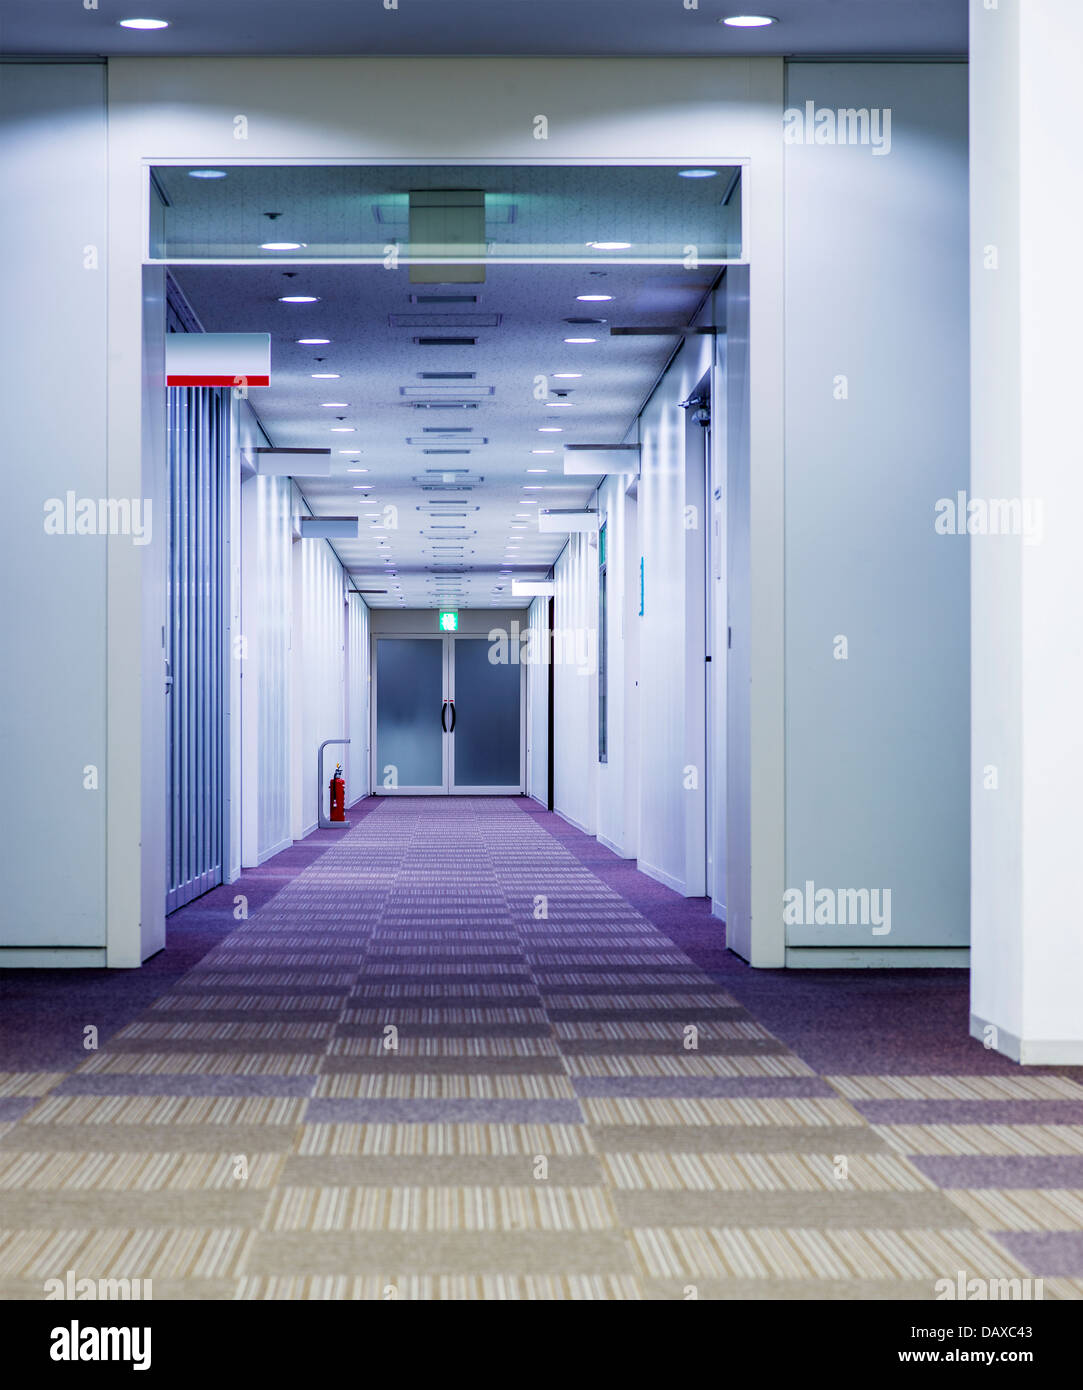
(1002, 1170)
(1047, 1254)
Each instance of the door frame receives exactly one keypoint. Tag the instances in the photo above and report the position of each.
(448, 788)
(375, 775)
(453, 790)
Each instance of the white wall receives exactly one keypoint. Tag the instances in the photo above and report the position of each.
(357, 698)
(318, 666)
(877, 744)
(735, 844)
(1027, 680)
(671, 649)
(575, 681)
(615, 812)
(266, 608)
(52, 385)
(425, 110)
(537, 696)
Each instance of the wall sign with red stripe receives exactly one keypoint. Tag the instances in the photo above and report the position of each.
(218, 359)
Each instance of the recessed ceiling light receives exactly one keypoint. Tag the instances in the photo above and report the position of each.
(314, 342)
(206, 173)
(697, 173)
(325, 376)
(566, 376)
(334, 405)
(343, 429)
(580, 340)
(559, 405)
(593, 298)
(532, 487)
(749, 21)
(356, 470)
(610, 245)
(282, 245)
(541, 470)
(143, 23)
(550, 429)
(298, 298)
(528, 501)
(363, 487)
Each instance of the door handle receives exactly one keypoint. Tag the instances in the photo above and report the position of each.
(443, 717)
(453, 716)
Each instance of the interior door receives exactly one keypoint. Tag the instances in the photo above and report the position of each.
(487, 711)
(446, 719)
(410, 746)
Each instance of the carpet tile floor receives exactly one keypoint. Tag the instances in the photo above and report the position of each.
(461, 1052)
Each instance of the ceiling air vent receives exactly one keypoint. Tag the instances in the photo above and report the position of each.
(446, 342)
(467, 321)
(447, 376)
(447, 222)
(445, 298)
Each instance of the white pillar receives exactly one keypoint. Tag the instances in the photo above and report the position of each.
(1027, 590)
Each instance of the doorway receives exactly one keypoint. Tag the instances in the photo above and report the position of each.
(447, 718)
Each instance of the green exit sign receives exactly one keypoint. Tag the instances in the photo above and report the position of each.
(449, 620)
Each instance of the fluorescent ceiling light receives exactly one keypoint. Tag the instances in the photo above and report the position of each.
(559, 405)
(282, 245)
(334, 405)
(206, 173)
(593, 298)
(325, 376)
(143, 23)
(697, 173)
(298, 298)
(343, 429)
(580, 340)
(749, 21)
(568, 521)
(550, 429)
(313, 342)
(610, 245)
(566, 376)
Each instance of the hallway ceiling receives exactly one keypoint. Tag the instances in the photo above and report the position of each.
(465, 461)
(402, 446)
(497, 27)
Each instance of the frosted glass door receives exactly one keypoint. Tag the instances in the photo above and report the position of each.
(409, 707)
(488, 737)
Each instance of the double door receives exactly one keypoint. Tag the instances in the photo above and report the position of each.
(447, 719)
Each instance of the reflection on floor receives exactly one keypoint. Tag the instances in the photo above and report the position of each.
(463, 1052)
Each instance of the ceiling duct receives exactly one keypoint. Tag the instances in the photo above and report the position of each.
(446, 222)
(467, 321)
(445, 298)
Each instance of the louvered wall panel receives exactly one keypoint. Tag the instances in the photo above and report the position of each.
(198, 480)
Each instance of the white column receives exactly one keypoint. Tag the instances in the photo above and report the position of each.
(1027, 586)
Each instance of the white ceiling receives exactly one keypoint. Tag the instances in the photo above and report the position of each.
(498, 27)
(488, 534)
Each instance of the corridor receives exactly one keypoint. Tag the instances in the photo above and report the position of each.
(451, 1058)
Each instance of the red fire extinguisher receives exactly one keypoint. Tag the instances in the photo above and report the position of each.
(338, 795)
